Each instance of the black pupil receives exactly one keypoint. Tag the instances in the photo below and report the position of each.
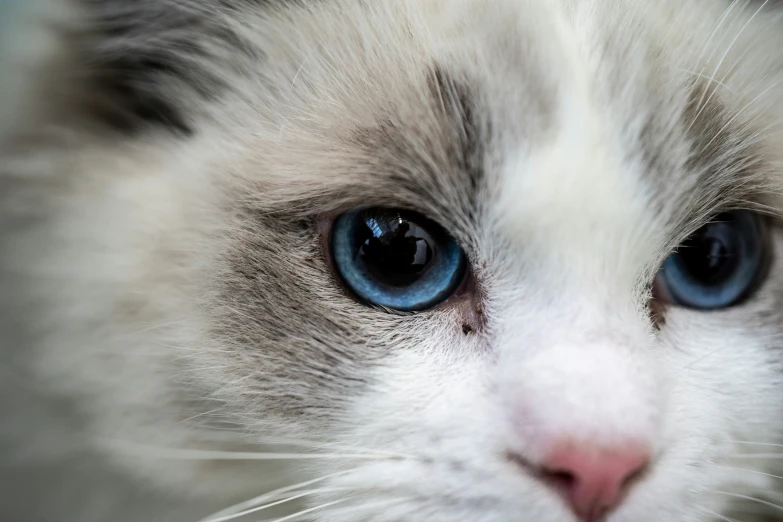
(712, 254)
(393, 248)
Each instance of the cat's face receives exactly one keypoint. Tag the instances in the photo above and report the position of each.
(567, 147)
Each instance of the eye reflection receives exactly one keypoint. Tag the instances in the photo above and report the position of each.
(396, 259)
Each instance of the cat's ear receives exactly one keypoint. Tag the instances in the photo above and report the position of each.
(150, 63)
(124, 66)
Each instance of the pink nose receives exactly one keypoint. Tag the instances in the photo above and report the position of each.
(594, 480)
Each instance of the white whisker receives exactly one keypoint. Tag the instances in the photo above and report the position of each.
(360, 508)
(708, 41)
(722, 59)
(332, 446)
(704, 76)
(741, 112)
(249, 511)
(752, 499)
(771, 444)
(718, 515)
(195, 454)
(752, 471)
(308, 510)
(768, 456)
(247, 504)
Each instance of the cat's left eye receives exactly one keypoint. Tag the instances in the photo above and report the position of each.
(396, 259)
(718, 266)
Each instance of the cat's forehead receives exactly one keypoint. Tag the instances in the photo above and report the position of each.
(514, 111)
(559, 113)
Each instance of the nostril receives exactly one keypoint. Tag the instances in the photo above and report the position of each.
(635, 476)
(562, 481)
(593, 481)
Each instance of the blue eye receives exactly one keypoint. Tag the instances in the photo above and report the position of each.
(717, 266)
(396, 259)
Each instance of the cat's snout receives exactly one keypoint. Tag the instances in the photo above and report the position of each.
(594, 480)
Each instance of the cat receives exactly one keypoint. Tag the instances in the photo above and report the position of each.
(391, 260)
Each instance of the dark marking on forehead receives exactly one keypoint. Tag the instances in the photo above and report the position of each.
(435, 160)
(459, 107)
(682, 132)
(703, 158)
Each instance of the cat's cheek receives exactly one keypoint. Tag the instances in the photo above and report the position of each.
(720, 367)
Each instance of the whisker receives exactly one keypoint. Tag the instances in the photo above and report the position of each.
(741, 112)
(752, 499)
(751, 471)
(362, 507)
(708, 41)
(726, 519)
(308, 510)
(722, 59)
(768, 456)
(704, 76)
(256, 509)
(202, 414)
(331, 446)
(772, 444)
(195, 454)
(248, 504)
(299, 70)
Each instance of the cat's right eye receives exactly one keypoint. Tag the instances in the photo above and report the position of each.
(396, 259)
(717, 266)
